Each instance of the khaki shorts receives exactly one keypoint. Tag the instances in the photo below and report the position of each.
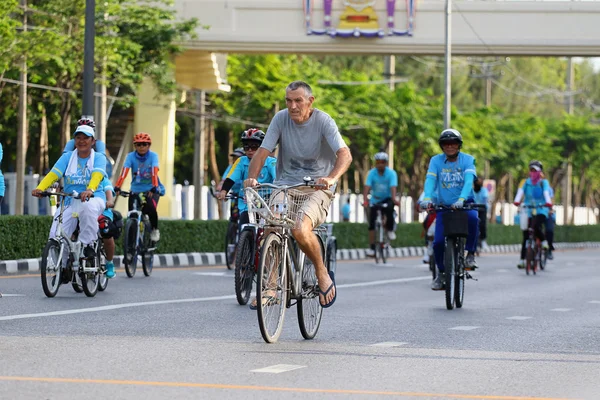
(317, 206)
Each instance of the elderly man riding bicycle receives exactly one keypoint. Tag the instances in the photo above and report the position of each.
(310, 145)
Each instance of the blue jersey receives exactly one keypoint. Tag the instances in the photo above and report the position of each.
(79, 178)
(141, 170)
(239, 172)
(451, 180)
(482, 197)
(235, 189)
(381, 184)
(346, 211)
(534, 196)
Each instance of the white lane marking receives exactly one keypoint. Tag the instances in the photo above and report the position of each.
(518, 318)
(561, 309)
(176, 301)
(113, 307)
(210, 273)
(389, 344)
(278, 368)
(384, 282)
(11, 295)
(463, 328)
(594, 302)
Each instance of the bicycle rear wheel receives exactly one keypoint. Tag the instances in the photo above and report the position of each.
(230, 244)
(244, 267)
(331, 255)
(309, 306)
(449, 268)
(543, 259)
(529, 258)
(50, 268)
(130, 247)
(459, 294)
(271, 290)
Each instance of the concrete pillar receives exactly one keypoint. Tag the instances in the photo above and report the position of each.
(156, 116)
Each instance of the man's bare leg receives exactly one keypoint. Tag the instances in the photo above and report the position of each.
(309, 244)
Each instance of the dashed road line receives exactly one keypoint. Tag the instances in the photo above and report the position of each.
(561, 309)
(389, 344)
(464, 328)
(278, 368)
(519, 318)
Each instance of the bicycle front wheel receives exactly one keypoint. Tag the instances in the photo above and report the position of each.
(230, 245)
(459, 295)
(449, 268)
(244, 267)
(130, 247)
(147, 255)
(50, 268)
(309, 306)
(530, 255)
(271, 288)
(103, 279)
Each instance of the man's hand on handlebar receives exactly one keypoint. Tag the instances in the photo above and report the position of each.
(325, 183)
(250, 182)
(37, 193)
(221, 195)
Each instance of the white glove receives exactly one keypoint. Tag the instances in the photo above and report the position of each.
(459, 204)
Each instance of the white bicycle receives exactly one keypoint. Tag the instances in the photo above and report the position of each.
(63, 260)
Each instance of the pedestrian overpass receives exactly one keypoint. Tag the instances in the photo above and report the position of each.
(479, 27)
(482, 27)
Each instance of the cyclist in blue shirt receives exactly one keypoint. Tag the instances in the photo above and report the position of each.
(450, 176)
(83, 170)
(382, 183)
(144, 166)
(346, 210)
(534, 191)
(251, 140)
(234, 211)
(481, 197)
(550, 222)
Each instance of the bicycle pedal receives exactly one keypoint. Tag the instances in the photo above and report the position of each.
(469, 276)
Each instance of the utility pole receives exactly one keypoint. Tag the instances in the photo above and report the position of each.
(22, 122)
(88, 60)
(448, 65)
(568, 165)
(488, 74)
(199, 144)
(390, 73)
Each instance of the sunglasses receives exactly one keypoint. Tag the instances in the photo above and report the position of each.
(142, 144)
(251, 147)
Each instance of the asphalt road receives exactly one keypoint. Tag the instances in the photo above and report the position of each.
(181, 335)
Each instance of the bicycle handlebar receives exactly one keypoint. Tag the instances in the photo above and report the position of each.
(465, 207)
(308, 182)
(62, 194)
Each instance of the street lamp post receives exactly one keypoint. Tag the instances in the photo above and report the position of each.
(448, 65)
(88, 60)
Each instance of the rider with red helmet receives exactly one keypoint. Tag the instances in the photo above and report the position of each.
(144, 166)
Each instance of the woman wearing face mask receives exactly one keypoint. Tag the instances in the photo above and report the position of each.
(535, 191)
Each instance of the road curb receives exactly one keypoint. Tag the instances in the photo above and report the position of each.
(32, 265)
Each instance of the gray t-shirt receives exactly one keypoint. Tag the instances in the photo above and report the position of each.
(307, 149)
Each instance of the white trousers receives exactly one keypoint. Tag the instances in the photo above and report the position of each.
(89, 212)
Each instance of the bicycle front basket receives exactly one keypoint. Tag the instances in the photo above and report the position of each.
(456, 223)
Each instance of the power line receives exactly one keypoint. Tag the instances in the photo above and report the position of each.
(54, 88)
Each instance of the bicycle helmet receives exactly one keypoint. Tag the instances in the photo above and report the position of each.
(381, 156)
(450, 135)
(238, 152)
(142, 138)
(537, 165)
(86, 121)
(253, 134)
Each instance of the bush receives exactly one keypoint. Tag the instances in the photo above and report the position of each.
(25, 236)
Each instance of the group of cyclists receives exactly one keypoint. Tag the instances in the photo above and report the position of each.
(83, 170)
(452, 182)
(309, 144)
